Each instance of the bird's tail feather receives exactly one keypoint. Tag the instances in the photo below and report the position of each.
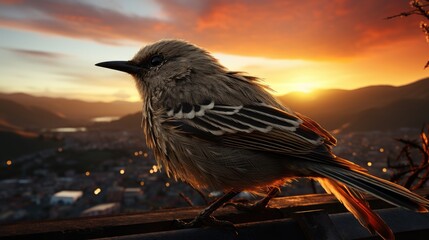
(383, 189)
(355, 203)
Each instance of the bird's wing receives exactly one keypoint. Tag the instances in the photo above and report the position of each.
(255, 126)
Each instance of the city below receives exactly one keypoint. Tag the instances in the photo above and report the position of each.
(90, 173)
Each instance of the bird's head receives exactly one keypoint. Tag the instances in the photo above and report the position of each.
(166, 65)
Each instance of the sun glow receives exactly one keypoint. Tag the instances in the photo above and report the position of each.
(282, 75)
(304, 87)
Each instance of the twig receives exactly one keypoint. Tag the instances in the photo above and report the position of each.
(412, 12)
(187, 200)
(415, 176)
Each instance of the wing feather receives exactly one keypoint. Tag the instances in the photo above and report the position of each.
(255, 126)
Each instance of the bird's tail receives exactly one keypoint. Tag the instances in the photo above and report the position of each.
(347, 184)
(354, 202)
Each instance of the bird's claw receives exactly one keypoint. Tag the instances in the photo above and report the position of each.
(182, 224)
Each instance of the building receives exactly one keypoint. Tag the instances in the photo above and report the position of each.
(65, 197)
(102, 209)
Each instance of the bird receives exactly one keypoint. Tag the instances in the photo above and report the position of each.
(223, 130)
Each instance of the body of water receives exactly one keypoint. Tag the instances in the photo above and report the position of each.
(105, 119)
(69, 129)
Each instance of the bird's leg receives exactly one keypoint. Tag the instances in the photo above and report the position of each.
(204, 217)
(257, 206)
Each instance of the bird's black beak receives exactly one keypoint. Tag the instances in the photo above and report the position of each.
(123, 66)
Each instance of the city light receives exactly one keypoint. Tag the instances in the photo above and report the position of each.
(381, 150)
(142, 183)
(140, 152)
(145, 154)
(122, 171)
(384, 169)
(97, 191)
(9, 162)
(87, 173)
(154, 169)
(136, 154)
(60, 149)
(167, 184)
(369, 164)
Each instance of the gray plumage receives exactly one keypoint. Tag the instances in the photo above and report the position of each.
(222, 130)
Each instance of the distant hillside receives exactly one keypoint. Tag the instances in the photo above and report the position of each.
(372, 105)
(403, 113)
(19, 127)
(75, 109)
(16, 116)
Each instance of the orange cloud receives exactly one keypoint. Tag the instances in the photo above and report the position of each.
(279, 29)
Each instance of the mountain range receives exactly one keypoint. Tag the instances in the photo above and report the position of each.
(364, 109)
(15, 115)
(73, 109)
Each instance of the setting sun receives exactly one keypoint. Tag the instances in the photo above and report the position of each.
(303, 87)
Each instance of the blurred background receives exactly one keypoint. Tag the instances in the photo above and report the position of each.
(71, 143)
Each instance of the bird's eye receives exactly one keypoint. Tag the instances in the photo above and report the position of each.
(156, 60)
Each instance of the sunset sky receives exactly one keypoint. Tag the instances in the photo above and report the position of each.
(49, 47)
